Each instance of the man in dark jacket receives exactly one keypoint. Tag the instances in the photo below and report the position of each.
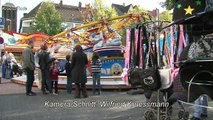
(44, 63)
(29, 66)
(78, 66)
(68, 73)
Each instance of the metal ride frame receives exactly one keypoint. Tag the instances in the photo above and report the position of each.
(124, 18)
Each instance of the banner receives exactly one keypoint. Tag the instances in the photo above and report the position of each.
(112, 66)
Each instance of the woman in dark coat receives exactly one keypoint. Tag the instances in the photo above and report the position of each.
(78, 66)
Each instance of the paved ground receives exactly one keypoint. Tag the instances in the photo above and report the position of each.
(15, 105)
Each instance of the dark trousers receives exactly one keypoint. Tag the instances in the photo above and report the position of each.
(30, 79)
(46, 82)
(80, 87)
(4, 70)
(54, 85)
(69, 85)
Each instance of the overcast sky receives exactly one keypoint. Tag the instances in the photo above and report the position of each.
(30, 4)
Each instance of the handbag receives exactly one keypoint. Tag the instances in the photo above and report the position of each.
(148, 78)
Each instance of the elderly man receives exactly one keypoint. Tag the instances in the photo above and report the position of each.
(29, 66)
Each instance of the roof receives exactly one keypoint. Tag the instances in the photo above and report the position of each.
(70, 13)
(121, 9)
(33, 12)
(67, 12)
(8, 4)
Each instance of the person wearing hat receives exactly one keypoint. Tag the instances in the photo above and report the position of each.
(29, 66)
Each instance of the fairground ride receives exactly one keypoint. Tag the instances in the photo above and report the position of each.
(106, 33)
(97, 27)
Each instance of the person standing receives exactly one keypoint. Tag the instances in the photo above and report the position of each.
(96, 73)
(54, 72)
(8, 67)
(68, 73)
(78, 67)
(4, 60)
(13, 63)
(44, 63)
(29, 66)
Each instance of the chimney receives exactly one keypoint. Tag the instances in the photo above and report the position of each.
(79, 4)
(61, 3)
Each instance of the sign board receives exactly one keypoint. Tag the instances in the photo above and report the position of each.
(112, 66)
(2, 46)
(2, 22)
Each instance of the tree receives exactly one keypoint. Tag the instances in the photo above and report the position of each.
(101, 10)
(169, 4)
(137, 9)
(166, 16)
(48, 20)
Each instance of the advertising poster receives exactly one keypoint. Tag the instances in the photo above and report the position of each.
(112, 66)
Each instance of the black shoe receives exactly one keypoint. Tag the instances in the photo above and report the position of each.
(195, 118)
(99, 93)
(30, 94)
(77, 97)
(203, 115)
(85, 96)
(44, 93)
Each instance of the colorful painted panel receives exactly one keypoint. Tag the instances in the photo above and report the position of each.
(112, 66)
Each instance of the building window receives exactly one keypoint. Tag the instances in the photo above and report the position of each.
(14, 14)
(77, 24)
(5, 14)
(69, 25)
(9, 14)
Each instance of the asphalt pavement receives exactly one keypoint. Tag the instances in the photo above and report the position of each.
(110, 105)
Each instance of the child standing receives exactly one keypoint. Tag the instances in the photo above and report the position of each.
(68, 73)
(96, 73)
(54, 72)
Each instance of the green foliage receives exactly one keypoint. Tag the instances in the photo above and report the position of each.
(123, 36)
(48, 20)
(101, 10)
(166, 16)
(168, 4)
(137, 9)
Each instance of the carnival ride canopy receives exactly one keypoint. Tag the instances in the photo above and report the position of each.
(99, 33)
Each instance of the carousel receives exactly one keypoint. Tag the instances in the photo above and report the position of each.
(98, 36)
